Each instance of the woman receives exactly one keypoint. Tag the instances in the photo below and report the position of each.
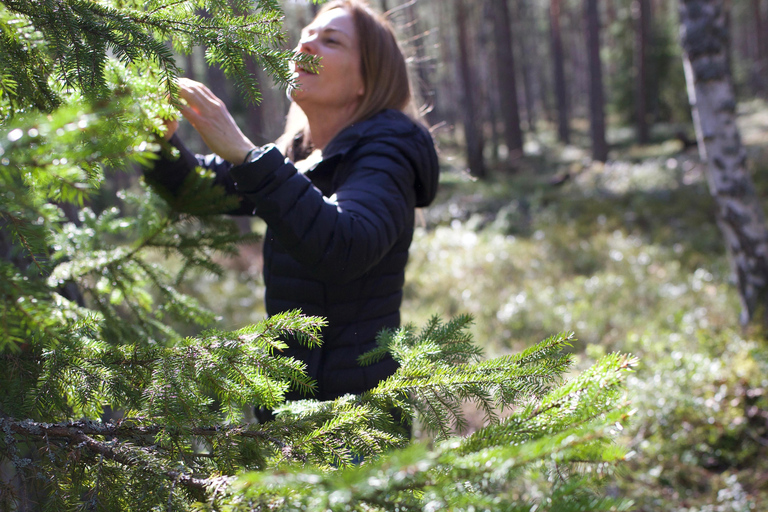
(340, 208)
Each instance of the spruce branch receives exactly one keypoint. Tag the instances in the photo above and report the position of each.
(131, 430)
(78, 439)
(18, 225)
(477, 470)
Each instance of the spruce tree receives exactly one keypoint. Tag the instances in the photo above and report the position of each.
(89, 317)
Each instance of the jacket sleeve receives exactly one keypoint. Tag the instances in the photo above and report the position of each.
(338, 238)
(169, 173)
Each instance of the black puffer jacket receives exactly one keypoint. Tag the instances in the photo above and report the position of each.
(338, 235)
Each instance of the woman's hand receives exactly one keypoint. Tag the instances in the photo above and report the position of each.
(171, 125)
(209, 116)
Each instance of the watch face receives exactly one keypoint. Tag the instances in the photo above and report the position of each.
(253, 154)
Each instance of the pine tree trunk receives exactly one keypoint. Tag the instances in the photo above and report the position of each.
(472, 135)
(489, 91)
(542, 60)
(596, 93)
(704, 36)
(643, 11)
(558, 61)
(505, 73)
(576, 69)
(526, 58)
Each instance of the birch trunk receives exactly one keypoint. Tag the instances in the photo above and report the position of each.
(704, 37)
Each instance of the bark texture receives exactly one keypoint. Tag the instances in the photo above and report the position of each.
(558, 61)
(527, 44)
(704, 37)
(643, 12)
(505, 69)
(472, 134)
(596, 92)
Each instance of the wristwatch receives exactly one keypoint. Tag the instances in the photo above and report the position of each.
(258, 163)
(255, 153)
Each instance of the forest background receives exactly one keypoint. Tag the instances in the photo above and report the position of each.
(544, 224)
(533, 235)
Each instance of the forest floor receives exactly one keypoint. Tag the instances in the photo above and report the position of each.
(625, 254)
(628, 256)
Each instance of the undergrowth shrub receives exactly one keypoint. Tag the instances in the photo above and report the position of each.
(702, 429)
(627, 255)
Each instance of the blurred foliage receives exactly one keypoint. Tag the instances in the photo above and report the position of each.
(628, 255)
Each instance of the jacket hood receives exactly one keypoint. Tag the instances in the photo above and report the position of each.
(397, 129)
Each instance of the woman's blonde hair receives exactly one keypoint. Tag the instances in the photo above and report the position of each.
(382, 65)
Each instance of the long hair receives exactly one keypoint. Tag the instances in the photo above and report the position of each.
(382, 65)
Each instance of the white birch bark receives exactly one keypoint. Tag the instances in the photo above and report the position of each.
(704, 37)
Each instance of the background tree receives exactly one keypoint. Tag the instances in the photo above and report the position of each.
(558, 65)
(473, 131)
(642, 10)
(596, 95)
(488, 93)
(526, 34)
(506, 79)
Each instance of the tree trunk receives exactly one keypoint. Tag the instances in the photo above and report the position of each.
(425, 89)
(525, 58)
(643, 13)
(558, 61)
(542, 65)
(609, 38)
(576, 68)
(489, 91)
(505, 75)
(704, 36)
(472, 132)
(596, 93)
(447, 107)
(759, 67)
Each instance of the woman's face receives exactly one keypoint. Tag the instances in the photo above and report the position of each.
(338, 82)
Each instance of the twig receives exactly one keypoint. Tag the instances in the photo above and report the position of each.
(79, 434)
